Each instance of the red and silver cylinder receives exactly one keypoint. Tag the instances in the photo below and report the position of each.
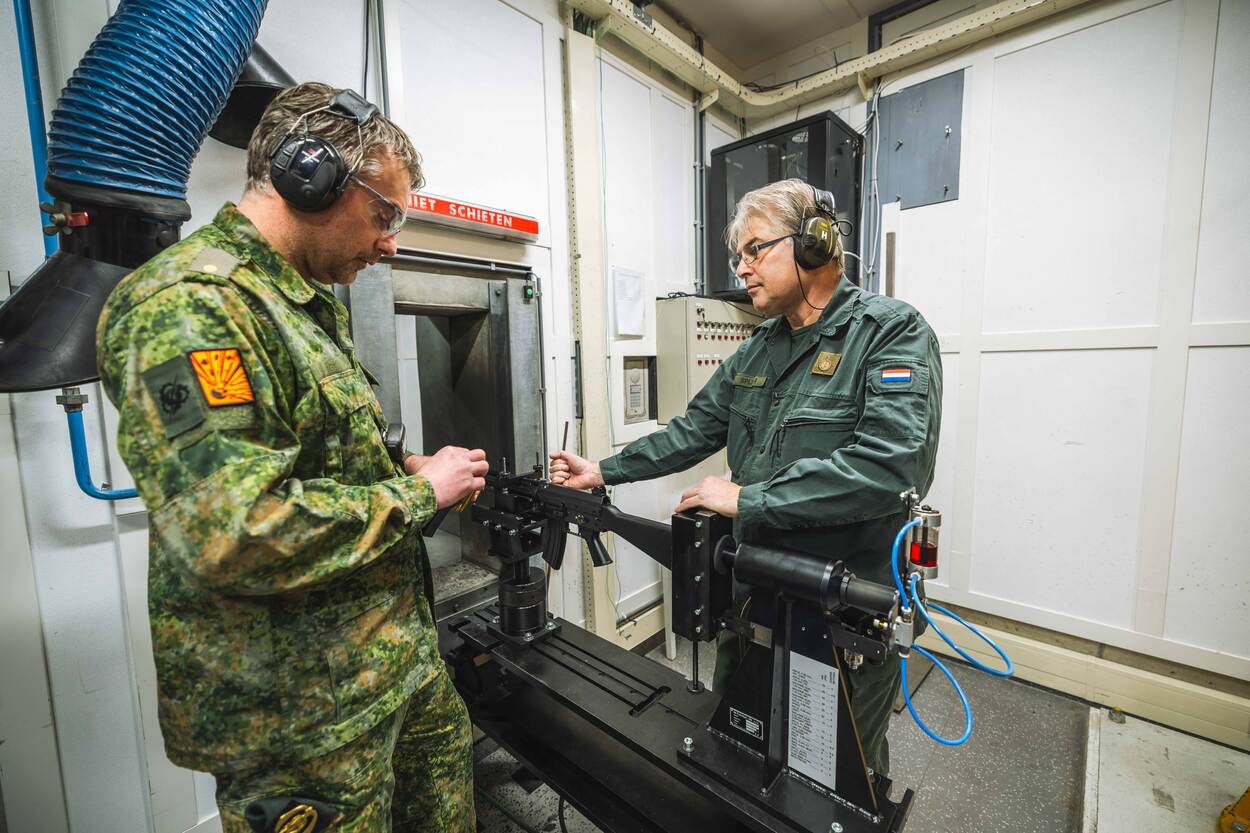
(922, 541)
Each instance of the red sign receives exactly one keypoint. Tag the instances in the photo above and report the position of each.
(466, 215)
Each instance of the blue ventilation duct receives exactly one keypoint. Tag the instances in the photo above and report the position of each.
(124, 133)
(137, 108)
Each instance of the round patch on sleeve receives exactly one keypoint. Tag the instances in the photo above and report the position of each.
(222, 377)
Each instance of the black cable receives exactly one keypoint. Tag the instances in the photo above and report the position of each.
(763, 88)
(804, 291)
(364, 77)
(563, 829)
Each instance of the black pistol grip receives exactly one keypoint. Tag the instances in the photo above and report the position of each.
(598, 552)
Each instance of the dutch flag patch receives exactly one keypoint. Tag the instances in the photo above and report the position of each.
(896, 375)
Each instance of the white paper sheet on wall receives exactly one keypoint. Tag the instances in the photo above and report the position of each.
(627, 292)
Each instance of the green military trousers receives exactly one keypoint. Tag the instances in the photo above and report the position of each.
(412, 773)
(872, 687)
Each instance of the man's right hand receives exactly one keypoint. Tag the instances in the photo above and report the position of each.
(455, 473)
(575, 472)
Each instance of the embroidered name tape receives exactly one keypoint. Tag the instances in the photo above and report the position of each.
(896, 375)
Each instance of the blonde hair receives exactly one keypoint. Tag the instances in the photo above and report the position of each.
(783, 205)
(361, 146)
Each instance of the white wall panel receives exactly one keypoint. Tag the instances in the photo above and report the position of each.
(474, 102)
(672, 188)
(1076, 216)
(715, 136)
(1209, 586)
(1058, 480)
(941, 494)
(627, 172)
(931, 258)
(635, 577)
(648, 183)
(1222, 293)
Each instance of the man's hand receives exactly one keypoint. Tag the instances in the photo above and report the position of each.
(455, 473)
(715, 494)
(575, 472)
(414, 462)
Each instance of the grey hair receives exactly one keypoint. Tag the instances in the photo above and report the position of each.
(782, 205)
(362, 146)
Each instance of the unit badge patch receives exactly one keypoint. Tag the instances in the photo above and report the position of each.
(171, 385)
(222, 377)
(826, 363)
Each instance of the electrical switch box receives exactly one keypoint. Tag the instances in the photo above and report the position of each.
(694, 336)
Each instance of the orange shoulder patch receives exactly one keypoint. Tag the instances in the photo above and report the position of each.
(222, 377)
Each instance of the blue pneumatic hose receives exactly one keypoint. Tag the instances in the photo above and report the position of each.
(1007, 672)
(963, 698)
(82, 466)
(914, 596)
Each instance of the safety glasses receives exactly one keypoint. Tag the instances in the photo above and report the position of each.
(751, 253)
(387, 217)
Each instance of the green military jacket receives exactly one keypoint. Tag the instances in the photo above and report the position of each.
(285, 586)
(823, 438)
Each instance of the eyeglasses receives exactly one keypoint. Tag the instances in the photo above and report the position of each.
(387, 217)
(752, 252)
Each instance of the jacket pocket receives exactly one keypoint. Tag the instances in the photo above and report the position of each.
(816, 432)
(743, 420)
(374, 650)
(354, 451)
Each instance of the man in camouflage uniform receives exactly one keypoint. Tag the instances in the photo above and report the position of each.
(295, 648)
(828, 411)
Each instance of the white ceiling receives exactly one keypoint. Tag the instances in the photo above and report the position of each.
(749, 32)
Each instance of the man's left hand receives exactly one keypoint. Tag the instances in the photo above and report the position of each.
(715, 494)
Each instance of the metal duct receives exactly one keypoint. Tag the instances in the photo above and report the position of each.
(124, 133)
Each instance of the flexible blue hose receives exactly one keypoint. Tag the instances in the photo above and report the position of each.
(1010, 669)
(34, 108)
(914, 595)
(82, 466)
(963, 698)
(142, 99)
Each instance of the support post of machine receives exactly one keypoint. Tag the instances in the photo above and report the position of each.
(695, 686)
(778, 713)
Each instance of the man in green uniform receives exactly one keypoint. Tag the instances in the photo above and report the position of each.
(295, 647)
(828, 412)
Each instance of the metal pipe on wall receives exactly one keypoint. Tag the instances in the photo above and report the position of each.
(34, 110)
(672, 53)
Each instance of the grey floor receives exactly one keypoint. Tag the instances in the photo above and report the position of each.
(1023, 770)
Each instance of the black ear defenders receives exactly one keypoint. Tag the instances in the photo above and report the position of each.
(307, 170)
(814, 241)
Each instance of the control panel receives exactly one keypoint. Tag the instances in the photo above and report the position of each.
(693, 337)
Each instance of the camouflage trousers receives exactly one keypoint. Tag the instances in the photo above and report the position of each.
(872, 688)
(412, 773)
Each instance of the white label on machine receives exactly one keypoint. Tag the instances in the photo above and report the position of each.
(813, 719)
(743, 722)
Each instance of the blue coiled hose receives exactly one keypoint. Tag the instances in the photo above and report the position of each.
(137, 109)
(909, 597)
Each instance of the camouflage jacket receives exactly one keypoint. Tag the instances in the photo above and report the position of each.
(285, 576)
